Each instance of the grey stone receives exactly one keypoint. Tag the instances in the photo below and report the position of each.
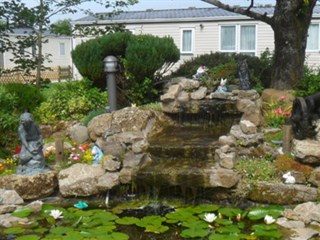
(108, 181)
(315, 177)
(6, 220)
(225, 178)
(7, 208)
(308, 151)
(109, 164)
(10, 197)
(279, 193)
(31, 187)
(189, 84)
(199, 94)
(248, 127)
(80, 180)
(183, 97)
(79, 134)
(245, 139)
(172, 93)
(227, 140)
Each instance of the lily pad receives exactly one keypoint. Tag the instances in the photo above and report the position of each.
(194, 233)
(267, 231)
(230, 212)
(127, 220)
(260, 212)
(22, 212)
(14, 230)
(28, 237)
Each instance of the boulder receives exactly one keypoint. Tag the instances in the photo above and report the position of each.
(172, 93)
(80, 180)
(10, 197)
(224, 178)
(315, 177)
(109, 164)
(31, 187)
(248, 127)
(307, 151)
(79, 134)
(245, 139)
(6, 220)
(199, 94)
(189, 84)
(279, 193)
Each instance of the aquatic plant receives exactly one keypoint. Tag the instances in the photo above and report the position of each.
(183, 223)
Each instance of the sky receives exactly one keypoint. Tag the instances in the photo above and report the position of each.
(151, 4)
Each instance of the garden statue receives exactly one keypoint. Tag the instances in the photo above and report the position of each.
(305, 111)
(244, 76)
(201, 71)
(222, 88)
(97, 154)
(31, 159)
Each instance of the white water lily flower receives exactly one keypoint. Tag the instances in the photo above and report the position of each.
(56, 214)
(210, 217)
(268, 219)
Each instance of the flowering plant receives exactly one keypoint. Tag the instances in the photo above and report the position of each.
(80, 153)
(277, 112)
(8, 166)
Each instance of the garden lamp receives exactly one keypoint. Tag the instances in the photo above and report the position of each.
(110, 68)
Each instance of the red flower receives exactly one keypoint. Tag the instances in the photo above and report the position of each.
(18, 149)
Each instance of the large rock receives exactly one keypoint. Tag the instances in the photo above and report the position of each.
(80, 180)
(282, 193)
(10, 197)
(315, 177)
(307, 151)
(224, 178)
(245, 139)
(79, 134)
(31, 187)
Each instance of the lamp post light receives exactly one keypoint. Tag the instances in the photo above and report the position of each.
(110, 68)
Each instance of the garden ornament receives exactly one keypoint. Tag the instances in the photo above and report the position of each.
(289, 179)
(304, 112)
(31, 159)
(80, 205)
(222, 88)
(244, 76)
(97, 154)
(201, 71)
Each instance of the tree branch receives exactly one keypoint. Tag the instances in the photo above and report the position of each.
(243, 11)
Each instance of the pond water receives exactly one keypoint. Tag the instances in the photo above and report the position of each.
(143, 219)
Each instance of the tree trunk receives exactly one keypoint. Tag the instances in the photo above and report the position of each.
(290, 25)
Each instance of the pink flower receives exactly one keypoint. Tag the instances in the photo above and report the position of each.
(283, 97)
(287, 113)
(278, 111)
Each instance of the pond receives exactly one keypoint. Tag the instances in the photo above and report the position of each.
(142, 219)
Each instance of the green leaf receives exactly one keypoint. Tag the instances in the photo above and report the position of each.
(217, 236)
(156, 228)
(22, 212)
(127, 220)
(28, 237)
(205, 208)
(260, 212)
(267, 231)
(230, 212)
(61, 230)
(14, 230)
(114, 236)
(228, 229)
(194, 233)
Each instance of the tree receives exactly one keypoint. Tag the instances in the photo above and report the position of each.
(62, 27)
(37, 20)
(290, 23)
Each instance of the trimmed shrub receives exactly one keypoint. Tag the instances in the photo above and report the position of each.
(141, 57)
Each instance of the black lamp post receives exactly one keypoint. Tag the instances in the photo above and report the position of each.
(110, 68)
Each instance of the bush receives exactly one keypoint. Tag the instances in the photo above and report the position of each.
(14, 100)
(71, 100)
(310, 83)
(260, 68)
(141, 57)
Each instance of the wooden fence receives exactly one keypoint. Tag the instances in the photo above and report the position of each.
(53, 74)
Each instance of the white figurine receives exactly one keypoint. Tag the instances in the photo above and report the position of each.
(289, 179)
(222, 88)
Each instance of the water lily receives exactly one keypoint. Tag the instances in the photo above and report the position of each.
(268, 219)
(56, 214)
(210, 217)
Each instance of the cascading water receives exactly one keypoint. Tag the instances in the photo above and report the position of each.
(182, 156)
